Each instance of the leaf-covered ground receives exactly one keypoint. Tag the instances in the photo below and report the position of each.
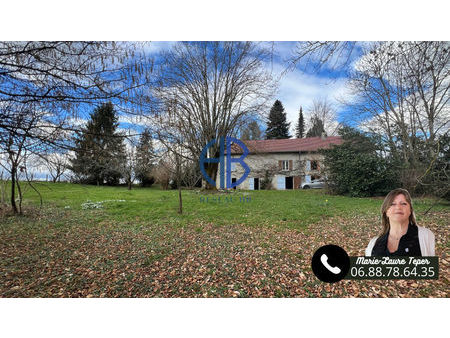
(63, 253)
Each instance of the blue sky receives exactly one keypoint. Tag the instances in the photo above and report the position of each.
(299, 86)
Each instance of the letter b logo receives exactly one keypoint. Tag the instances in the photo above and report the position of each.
(220, 160)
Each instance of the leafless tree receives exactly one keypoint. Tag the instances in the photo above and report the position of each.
(45, 83)
(68, 72)
(162, 172)
(211, 87)
(178, 155)
(128, 168)
(16, 143)
(62, 76)
(324, 110)
(317, 55)
(191, 174)
(2, 189)
(250, 131)
(56, 164)
(403, 89)
(178, 164)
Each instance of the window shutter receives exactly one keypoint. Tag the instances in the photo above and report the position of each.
(251, 183)
(281, 182)
(280, 163)
(290, 165)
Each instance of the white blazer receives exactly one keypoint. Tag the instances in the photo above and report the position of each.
(426, 242)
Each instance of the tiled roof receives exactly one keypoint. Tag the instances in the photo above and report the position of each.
(288, 145)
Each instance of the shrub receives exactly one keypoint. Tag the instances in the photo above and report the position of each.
(147, 180)
(266, 182)
(356, 167)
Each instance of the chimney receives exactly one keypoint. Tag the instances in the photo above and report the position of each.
(324, 136)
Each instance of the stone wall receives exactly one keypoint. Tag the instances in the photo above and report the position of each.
(298, 168)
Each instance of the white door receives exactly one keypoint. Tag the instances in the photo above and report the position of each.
(251, 183)
(281, 182)
(308, 178)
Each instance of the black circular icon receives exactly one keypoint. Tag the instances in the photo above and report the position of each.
(330, 263)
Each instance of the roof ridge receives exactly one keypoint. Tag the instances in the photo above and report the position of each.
(289, 145)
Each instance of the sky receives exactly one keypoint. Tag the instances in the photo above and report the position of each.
(298, 86)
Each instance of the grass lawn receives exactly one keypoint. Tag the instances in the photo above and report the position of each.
(239, 244)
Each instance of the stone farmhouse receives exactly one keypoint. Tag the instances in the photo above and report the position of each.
(285, 163)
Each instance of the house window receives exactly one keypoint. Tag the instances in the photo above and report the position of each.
(284, 165)
(233, 166)
(314, 165)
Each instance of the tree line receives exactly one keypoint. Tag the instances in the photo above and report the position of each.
(198, 91)
(322, 118)
(401, 106)
(102, 155)
(46, 85)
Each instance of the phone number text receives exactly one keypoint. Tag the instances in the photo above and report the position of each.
(393, 268)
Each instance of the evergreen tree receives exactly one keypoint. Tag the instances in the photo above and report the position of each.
(317, 127)
(144, 159)
(300, 128)
(99, 150)
(277, 126)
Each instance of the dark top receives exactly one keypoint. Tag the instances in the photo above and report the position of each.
(407, 246)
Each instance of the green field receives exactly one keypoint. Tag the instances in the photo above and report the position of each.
(294, 208)
(239, 244)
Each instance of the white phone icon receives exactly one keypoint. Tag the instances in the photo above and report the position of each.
(324, 260)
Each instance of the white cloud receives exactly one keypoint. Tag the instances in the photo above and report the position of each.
(300, 89)
(77, 122)
(155, 47)
(134, 120)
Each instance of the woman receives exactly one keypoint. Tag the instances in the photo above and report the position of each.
(401, 236)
